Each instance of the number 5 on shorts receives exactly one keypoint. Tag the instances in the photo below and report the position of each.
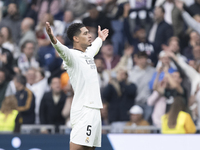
(88, 130)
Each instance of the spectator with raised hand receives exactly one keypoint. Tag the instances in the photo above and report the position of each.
(138, 38)
(27, 58)
(13, 21)
(10, 118)
(141, 74)
(165, 62)
(187, 18)
(157, 99)
(176, 121)
(136, 119)
(52, 105)
(25, 99)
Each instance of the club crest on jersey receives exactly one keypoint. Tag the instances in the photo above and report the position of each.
(87, 140)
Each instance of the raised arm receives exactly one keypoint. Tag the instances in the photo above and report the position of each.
(62, 50)
(102, 35)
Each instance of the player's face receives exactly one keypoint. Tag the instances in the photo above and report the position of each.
(85, 37)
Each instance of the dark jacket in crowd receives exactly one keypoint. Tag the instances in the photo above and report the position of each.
(101, 20)
(195, 8)
(26, 105)
(8, 65)
(120, 98)
(50, 113)
(163, 33)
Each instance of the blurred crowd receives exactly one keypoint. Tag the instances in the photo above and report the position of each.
(148, 68)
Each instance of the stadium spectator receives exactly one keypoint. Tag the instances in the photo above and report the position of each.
(104, 116)
(52, 104)
(195, 8)
(163, 57)
(8, 41)
(38, 87)
(27, 59)
(140, 75)
(120, 95)
(6, 58)
(136, 119)
(193, 41)
(13, 21)
(187, 18)
(103, 75)
(67, 107)
(10, 118)
(160, 32)
(67, 20)
(3, 85)
(27, 31)
(97, 18)
(107, 53)
(176, 121)
(173, 17)
(158, 100)
(25, 99)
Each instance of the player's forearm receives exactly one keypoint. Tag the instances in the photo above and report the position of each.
(53, 38)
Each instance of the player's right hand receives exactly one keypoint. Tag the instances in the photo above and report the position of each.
(48, 29)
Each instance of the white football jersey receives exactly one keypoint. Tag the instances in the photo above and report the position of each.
(82, 72)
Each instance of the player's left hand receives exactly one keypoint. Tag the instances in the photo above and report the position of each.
(102, 34)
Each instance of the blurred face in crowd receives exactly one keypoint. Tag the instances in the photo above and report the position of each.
(68, 16)
(107, 50)
(2, 77)
(174, 46)
(165, 60)
(93, 13)
(142, 62)
(56, 85)
(196, 52)
(5, 33)
(122, 75)
(99, 65)
(26, 24)
(141, 35)
(198, 1)
(135, 118)
(12, 9)
(158, 14)
(47, 18)
(31, 76)
(194, 36)
(29, 50)
(38, 76)
(177, 77)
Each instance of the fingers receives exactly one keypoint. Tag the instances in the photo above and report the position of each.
(99, 28)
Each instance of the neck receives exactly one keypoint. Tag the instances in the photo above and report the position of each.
(56, 93)
(20, 88)
(78, 47)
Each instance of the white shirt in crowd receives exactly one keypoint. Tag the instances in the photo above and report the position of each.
(82, 72)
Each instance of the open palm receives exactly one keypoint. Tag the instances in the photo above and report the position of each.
(103, 34)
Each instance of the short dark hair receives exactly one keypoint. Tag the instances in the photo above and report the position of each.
(162, 8)
(74, 30)
(26, 42)
(142, 54)
(21, 79)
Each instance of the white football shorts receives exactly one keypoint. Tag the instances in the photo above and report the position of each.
(86, 127)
